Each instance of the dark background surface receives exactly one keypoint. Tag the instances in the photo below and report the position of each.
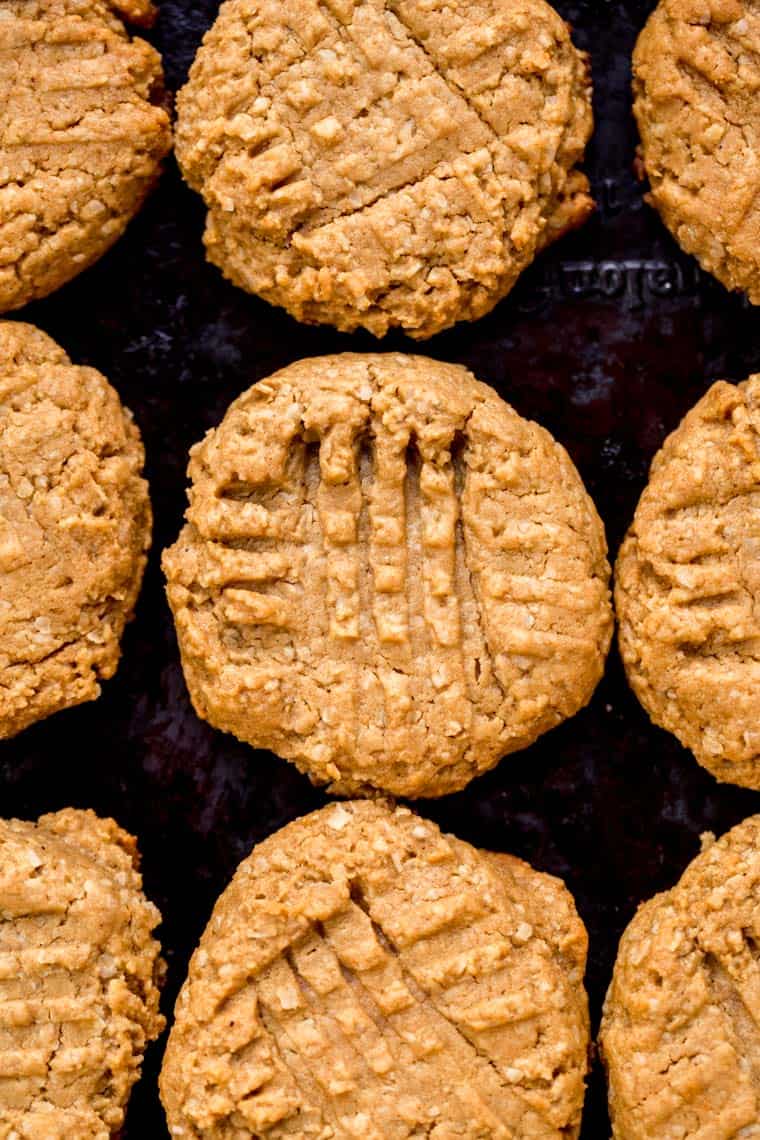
(607, 341)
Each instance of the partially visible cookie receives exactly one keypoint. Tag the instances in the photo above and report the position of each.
(75, 525)
(387, 575)
(680, 1029)
(82, 136)
(697, 103)
(687, 585)
(79, 968)
(385, 163)
(366, 977)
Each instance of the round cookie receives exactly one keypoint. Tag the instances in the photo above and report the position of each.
(697, 103)
(679, 1034)
(75, 525)
(687, 585)
(365, 976)
(384, 163)
(78, 976)
(81, 137)
(387, 575)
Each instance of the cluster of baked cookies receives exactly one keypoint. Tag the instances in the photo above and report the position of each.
(386, 575)
(366, 976)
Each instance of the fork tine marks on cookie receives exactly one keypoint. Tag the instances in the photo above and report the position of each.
(401, 991)
(78, 969)
(370, 504)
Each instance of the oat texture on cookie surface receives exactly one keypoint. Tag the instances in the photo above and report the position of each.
(79, 974)
(75, 526)
(365, 975)
(82, 136)
(679, 1037)
(387, 575)
(697, 102)
(385, 163)
(687, 585)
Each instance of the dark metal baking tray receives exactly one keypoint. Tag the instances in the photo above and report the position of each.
(607, 341)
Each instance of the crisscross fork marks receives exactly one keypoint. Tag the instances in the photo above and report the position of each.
(74, 932)
(366, 183)
(372, 945)
(436, 68)
(388, 530)
(700, 148)
(328, 1069)
(420, 1016)
(376, 1051)
(297, 181)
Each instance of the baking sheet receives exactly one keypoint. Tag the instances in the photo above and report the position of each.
(607, 341)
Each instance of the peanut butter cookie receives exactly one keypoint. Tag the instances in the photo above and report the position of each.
(697, 102)
(387, 575)
(384, 163)
(687, 588)
(81, 137)
(365, 976)
(679, 1033)
(78, 977)
(74, 527)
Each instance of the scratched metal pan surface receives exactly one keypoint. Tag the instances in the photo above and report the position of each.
(606, 341)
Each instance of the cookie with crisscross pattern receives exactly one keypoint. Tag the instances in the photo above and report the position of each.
(387, 575)
(79, 974)
(680, 1031)
(366, 977)
(82, 135)
(385, 163)
(697, 102)
(75, 526)
(687, 585)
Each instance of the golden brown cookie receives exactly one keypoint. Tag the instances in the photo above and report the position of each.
(78, 977)
(697, 103)
(81, 137)
(75, 526)
(687, 585)
(387, 575)
(365, 976)
(679, 1034)
(385, 163)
